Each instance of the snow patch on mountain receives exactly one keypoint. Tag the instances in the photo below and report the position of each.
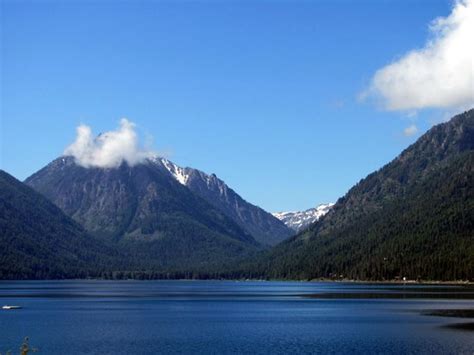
(183, 175)
(299, 220)
(176, 171)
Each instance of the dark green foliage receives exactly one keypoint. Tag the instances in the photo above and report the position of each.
(37, 240)
(413, 218)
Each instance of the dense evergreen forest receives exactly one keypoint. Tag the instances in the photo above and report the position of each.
(413, 218)
(37, 240)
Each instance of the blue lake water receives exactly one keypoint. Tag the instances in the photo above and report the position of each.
(150, 317)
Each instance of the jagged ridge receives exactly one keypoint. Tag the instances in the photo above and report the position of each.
(263, 226)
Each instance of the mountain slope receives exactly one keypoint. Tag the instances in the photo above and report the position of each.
(299, 220)
(144, 211)
(263, 226)
(412, 218)
(37, 240)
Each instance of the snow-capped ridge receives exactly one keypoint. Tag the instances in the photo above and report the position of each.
(298, 220)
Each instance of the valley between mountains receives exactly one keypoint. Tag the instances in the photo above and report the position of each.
(412, 218)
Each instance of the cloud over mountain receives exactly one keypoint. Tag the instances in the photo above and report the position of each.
(109, 149)
(439, 75)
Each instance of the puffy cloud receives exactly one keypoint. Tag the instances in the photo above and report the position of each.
(440, 75)
(109, 149)
(410, 131)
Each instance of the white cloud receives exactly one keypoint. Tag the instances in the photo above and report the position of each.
(109, 149)
(410, 131)
(440, 75)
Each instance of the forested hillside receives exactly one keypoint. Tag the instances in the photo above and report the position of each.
(37, 240)
(413, 218)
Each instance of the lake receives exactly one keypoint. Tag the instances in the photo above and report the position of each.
(149, 317)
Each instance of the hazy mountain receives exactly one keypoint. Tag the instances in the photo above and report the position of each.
(412, 218)
(38, 240)
(299, 220)
(263, 226)
(145, 211)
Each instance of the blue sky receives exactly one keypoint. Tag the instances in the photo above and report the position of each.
(262, 93)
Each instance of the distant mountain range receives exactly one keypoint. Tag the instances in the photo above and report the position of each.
(412, 218)
(299, 220)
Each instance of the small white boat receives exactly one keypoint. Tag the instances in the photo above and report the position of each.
(11, 307)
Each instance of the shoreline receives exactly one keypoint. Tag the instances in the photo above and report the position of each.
(374, 282)
(401, 282)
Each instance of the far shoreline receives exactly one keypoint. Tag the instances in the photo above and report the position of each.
(318, 280)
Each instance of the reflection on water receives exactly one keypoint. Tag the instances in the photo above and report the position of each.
(130, 317)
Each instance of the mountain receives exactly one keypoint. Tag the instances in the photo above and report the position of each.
(412, 218)
(263, 226)
(144, 211)
(299, 220)
(38, 240)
